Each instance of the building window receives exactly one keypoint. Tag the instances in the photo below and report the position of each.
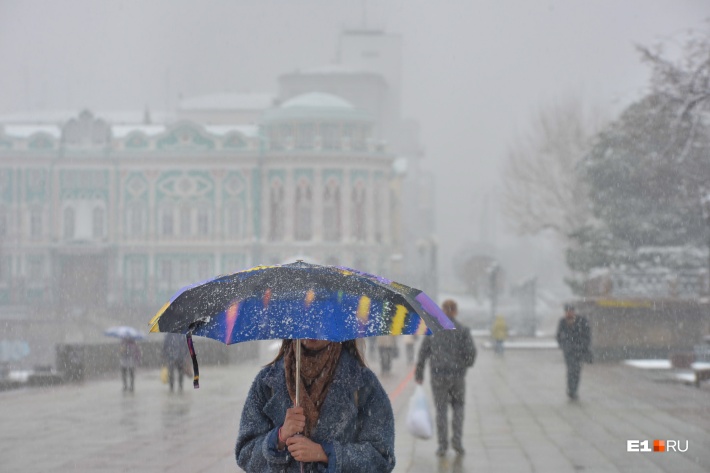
(167, 221)
(304, 139)
(331, 136)
(203, 269)
(166, 276)
(359, 231)
(377, 213)
(185, 221)
(203, 221)
(98, 222)
(34, 269)
(276, 212)
(233, 220)
(69, 223)
(135, 275)
(331, 212)
(36, 224)
(357, 137)
(135, 220)
(3, 222)
(304, 212)
(4, 268)
(184, 272)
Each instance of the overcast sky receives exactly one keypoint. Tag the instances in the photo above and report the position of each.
(473, 71)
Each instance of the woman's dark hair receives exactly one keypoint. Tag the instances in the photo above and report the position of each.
(350, 345)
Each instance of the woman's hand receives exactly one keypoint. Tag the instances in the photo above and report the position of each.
(294, 423)
(306, 450)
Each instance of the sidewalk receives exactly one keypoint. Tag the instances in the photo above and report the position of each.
(518, 420)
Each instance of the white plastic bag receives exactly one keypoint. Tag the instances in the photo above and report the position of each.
(419, 422)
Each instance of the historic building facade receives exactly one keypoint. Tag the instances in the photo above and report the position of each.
(97, 217)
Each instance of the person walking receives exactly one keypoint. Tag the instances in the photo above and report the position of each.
(343, 422)
(409, 345)
(175, 355)
(387, 347)
(574, 337)
(451, 354)
(129, 356)
(499, 333)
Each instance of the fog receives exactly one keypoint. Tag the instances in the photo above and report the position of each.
(473, 73)
(102, 218)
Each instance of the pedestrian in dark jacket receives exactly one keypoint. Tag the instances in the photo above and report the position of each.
(175, 353)
(574, 338)
(450, 354)
(344, 422)
(129, 357)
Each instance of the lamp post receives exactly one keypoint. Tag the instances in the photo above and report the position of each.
(705, 205)
(493, 271)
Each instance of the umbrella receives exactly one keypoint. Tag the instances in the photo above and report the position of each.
(124, 331)
(296, 301)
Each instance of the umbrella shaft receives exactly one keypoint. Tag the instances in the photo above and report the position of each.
(298, 370)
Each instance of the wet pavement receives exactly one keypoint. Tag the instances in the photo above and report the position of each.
(518, 420)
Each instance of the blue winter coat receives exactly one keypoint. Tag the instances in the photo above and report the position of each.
(355, 430)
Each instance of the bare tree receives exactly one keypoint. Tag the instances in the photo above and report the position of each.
(542, 187)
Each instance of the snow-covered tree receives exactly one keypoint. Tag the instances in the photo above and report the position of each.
(646, 173)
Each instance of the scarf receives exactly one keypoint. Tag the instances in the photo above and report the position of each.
(317, 370)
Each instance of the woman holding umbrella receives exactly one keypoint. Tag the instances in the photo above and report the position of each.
(343, 420)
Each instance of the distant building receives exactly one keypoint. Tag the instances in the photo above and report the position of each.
(367, 73)
(104, 216)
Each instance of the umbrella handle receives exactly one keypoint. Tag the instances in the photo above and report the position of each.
(193, 355)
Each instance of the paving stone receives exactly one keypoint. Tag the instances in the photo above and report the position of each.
(517, 420)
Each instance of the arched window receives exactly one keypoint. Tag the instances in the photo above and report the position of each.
(359, 230)
(303, 214)
(331, 212)
(276, 211)
(69, 223)
(97, 219)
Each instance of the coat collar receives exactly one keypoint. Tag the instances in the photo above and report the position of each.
(347, 375)
(348, 379)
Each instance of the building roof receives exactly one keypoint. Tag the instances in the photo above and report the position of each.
(316, 106)
(58, 117)
(317, 100)
(228, 101)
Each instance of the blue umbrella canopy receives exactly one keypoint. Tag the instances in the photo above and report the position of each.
(299, 300)
(295, 301)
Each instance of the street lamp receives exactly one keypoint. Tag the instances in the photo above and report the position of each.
(493, 270)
